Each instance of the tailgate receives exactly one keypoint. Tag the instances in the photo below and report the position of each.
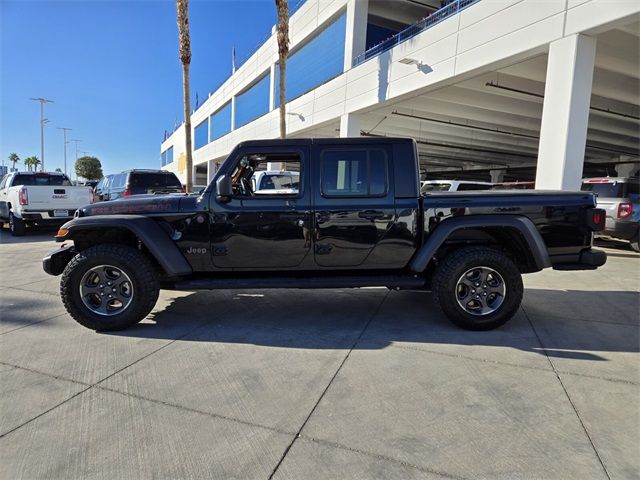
(57, 197)
(610, 206)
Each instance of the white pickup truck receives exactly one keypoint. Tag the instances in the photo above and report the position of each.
(39, 198)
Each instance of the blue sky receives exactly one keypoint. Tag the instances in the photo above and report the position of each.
(113, 70)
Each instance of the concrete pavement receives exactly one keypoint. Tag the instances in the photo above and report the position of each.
(321, 384)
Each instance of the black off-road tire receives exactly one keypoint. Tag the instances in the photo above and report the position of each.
(16, 225)
(635, 243)
(136, 265)
(445, 280)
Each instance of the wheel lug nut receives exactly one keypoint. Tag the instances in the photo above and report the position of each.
(101, 286)
(101, 293)
(473, 291)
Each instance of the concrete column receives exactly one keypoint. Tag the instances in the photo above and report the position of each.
(627, 169)
(350, 125)
(565, 113)
(497, 176)
(356, 31)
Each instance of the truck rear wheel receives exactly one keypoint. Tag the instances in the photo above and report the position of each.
(109, 287)
(478, 288)
(635, 243)
(16, 225)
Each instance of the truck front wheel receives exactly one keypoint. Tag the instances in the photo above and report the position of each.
(109, 287)
(478, 288)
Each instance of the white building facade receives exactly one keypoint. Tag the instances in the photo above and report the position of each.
(543, 90)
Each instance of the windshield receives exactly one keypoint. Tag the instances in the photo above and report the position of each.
(32, 179)
(278, 181)
(435, 187)
(604, 190)
(150, 181)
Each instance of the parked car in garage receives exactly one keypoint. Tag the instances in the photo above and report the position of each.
(29, 199)
(620, 198)
(453, 186)
(268, 182)
(137, 182)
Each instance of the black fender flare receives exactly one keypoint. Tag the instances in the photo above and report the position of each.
(148, 231)
(440, 234)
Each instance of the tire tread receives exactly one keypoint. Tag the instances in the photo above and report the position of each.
(143, 270)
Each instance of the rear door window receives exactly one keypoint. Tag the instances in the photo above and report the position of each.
(354, 173)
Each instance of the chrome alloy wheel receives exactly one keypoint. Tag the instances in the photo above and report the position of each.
(106, 290)
(480, 291)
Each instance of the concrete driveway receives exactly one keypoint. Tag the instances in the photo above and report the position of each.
(321, 384)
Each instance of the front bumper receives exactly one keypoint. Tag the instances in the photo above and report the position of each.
(587, 259)
(56, 261)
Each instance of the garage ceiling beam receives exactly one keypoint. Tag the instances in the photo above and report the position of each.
(595, 109)
(471, 127)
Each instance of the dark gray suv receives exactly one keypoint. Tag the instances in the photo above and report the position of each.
(137, 182)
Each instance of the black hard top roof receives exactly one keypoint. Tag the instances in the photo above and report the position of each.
(324, 141)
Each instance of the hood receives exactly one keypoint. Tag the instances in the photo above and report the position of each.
(143, 205)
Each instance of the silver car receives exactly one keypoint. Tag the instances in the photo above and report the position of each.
(620, 198)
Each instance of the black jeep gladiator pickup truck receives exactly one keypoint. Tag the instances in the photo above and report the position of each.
(332, 213)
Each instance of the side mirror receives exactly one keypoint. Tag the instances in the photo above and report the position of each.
(223, 188)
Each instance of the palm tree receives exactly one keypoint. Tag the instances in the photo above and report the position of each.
(35, 162)
(14, 158)
(182, 8)
(283, 52)
(30, 162)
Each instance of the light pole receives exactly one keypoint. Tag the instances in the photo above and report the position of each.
(64, 131)
(76, 140)
(43, 121)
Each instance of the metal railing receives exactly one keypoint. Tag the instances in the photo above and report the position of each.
(436, 17)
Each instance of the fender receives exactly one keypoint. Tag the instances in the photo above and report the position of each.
(440, 234)
(164, 250)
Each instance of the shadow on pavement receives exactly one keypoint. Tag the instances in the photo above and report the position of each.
(43, 234)
(307, 319)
